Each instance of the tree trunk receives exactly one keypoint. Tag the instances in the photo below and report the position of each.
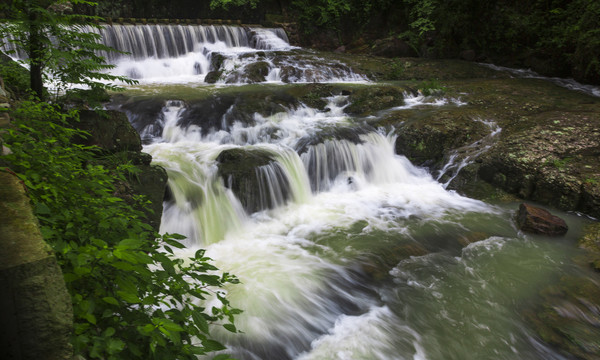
(36, 54)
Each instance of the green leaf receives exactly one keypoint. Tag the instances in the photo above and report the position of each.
(110, 300)
(42, 209)
(129, 297)
(109, 332)
(115, 345)
(170, 325)
(223, 357)
(230, 327)
(212, 345)
(175, 243)
(200, 321)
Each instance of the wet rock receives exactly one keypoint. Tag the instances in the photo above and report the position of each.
(568, 317)
(378, 265)
(590, 241)
(212, 77)
(368, 100)
(351, 134)
(221, 112)
(121, 144)
(256, 72)
(254, 176)
(540, 221)
(428, 137)
(145, 115)
(151, 183)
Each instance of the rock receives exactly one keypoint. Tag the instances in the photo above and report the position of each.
(367, 100)
(427, 138)
(145, 115)
(212, 77)
(221, 112)
(392, 47)
(539, 221)
(112, 133)
(567, 317)
(590, 241)
(241, 172)
(256, 72)
(151, 182)
(468, 55)
(36, 317)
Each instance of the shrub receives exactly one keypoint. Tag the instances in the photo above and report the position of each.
(123, 277)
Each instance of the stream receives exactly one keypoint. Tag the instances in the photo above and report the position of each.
(344, 249)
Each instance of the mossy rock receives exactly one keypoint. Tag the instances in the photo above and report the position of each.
(239, 170)
(109, 130)
(426, 137)
(566, 319)
(213, 76)
(256, 72)
(590, 241)
(368, 100)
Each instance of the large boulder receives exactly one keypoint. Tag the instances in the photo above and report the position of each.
(36, 317)
(540, 221)
(121, 144)
(109, 130)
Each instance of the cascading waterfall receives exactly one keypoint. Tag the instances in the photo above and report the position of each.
(189, 53)
(340, 214)
(351, 251)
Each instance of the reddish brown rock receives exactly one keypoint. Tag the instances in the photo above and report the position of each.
(539, 221)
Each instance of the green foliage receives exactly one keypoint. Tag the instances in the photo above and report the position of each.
(421, 12)
(16, 77)
(132, 298)
(225, 4)
(431, 87)
(59, 47)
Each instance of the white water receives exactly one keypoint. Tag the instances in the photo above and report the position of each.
(183, 54)
(365, 259)
(303, 289)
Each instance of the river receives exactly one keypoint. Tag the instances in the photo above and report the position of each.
(349, 251)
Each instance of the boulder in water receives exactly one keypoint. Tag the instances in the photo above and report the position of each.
(254, 176)
(540, 221)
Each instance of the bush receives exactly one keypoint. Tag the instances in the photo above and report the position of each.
(122, 276)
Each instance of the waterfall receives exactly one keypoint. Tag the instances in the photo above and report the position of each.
(344, 249)
(202, 54)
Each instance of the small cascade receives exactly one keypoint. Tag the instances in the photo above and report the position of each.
(269, 39)
(465, 155)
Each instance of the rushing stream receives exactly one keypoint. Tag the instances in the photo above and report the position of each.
(352, 252)
(370, 258)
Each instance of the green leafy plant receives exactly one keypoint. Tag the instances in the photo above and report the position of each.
(132, 298)
(59, 46)
(431, 87)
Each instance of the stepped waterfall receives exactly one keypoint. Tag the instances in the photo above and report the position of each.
(344, 249)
